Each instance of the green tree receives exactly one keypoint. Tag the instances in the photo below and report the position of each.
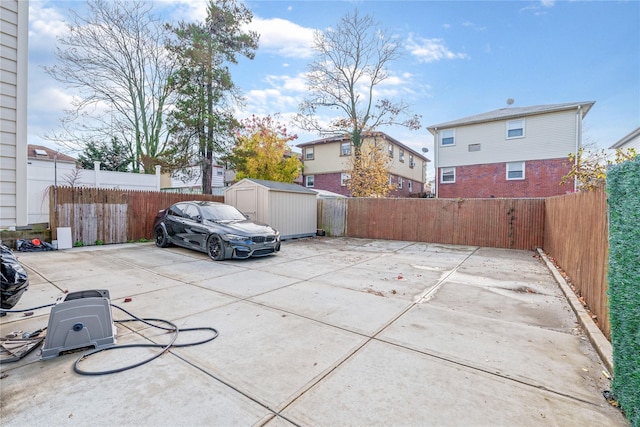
(115, 61)
(351, 61)
(369, 172)
(589, 168)
(202, 122)
(262, 151)
(112, 156)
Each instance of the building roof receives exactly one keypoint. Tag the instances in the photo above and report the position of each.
(41, 152)
(627, 138)
(514, 112)
(342, 138)
(280, 186)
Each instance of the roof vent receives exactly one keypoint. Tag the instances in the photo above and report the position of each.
(41, 152)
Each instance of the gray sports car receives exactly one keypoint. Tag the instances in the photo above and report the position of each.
(219, 230)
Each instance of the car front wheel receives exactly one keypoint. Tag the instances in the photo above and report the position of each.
(162, 241)
(215, 248)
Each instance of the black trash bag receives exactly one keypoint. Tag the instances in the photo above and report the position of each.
(14, 281)
(34, 245)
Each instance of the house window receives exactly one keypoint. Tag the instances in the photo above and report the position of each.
(448, 137)
(308, 153)
(515, 128)
(410, 186)
(515, 170)
(401, 155)
(308, 180)
(400, 182)
(344, 177)
(411, 162)
(345, 149)
(391, 150)
(390, 179)
(448, 175)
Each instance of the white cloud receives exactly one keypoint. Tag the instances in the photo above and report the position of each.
(45, 25)
(283, 37)
(431, 50)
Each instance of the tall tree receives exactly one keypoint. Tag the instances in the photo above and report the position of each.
(116, 61)
(262, 151)
(352, 59)
(202, 121)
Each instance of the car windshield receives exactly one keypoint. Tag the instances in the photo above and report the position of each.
(221, 213)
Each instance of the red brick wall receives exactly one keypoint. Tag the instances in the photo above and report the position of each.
(542, 179)
(331, 182)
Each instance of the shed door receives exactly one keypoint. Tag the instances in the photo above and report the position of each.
(246, 202)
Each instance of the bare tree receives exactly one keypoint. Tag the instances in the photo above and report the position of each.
(116, 61)
(351, 61)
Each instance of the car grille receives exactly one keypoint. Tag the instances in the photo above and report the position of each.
(263, 239)
(261, 252)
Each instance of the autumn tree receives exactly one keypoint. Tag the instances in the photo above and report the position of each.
(202, 122)
(115, 61)
(262, 151)
(351, 61)
(589, 168)
(369, 172)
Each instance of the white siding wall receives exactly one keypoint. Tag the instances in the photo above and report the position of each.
(547, 136)
(14, 22)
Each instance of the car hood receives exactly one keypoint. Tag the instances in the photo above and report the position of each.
(248, 228)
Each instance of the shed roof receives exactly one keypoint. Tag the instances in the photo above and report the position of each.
(514, 112)
(279, 186)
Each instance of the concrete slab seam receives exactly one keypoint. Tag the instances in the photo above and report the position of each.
(602, 346)
(428, 294)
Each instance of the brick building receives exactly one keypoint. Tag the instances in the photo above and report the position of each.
(326, 162)
(510, 152)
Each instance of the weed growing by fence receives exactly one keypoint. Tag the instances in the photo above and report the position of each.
(623, 182)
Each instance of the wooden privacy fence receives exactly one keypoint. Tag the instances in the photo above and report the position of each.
(576, 236)
(499, 223)
(110, 216)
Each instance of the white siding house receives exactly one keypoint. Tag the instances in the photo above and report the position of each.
(630, 140)
(510, 152)
(14, 33)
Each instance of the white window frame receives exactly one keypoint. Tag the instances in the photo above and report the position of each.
(401, 154)
(391, 150)
(309, 181)
(308, 153)
(344, 177)
(400, 183)
(390, 179)
(446, 134)
(520, 168)
(344, 152)
(410, 186)
(411, 162)
(515, 125)
(448, 171)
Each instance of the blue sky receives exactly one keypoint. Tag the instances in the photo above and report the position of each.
(460, 58)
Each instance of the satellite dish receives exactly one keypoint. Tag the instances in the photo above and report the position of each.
(510, 101)
(425, 149)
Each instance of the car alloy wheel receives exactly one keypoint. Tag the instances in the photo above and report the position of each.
(215, 248)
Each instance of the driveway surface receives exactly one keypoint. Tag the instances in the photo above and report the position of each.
(331, 331)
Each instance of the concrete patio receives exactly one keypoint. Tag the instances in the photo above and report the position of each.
(331, 331)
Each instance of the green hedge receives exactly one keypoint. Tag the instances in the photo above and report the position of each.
(623, 195)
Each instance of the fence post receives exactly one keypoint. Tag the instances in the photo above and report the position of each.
(96, 178)
(158, 177)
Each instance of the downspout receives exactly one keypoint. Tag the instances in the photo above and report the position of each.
(578, 142)
(436, 149)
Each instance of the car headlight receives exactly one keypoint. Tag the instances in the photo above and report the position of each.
(235, 237)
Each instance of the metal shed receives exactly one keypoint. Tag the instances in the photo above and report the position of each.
(290, 208)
